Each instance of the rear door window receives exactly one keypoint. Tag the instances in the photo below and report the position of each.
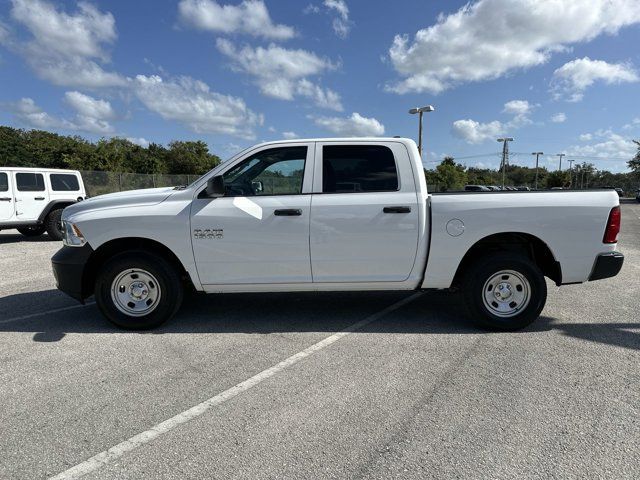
(4, 182)
(30, 182)
(358, 168)
(64, 182)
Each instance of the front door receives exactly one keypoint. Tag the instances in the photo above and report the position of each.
(30, 195)
(6, 197)
(364, 213)
(259, 231)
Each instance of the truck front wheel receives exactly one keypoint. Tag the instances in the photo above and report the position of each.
(504, 291)
(137, 290)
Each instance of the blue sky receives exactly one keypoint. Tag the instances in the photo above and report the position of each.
(557, 76)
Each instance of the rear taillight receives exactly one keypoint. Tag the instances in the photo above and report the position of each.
(613, 226)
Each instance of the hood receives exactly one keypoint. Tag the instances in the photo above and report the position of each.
(147, 196)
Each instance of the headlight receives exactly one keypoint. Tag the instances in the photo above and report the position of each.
(72, 235)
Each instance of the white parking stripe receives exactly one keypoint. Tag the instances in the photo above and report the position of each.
(102, 458)
(55, 310)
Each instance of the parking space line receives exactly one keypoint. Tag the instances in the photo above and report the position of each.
(101, 459)
(55, 310)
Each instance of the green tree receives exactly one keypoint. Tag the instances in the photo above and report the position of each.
(558, 179)
(634, 163)
(451, 175)
(190, 158)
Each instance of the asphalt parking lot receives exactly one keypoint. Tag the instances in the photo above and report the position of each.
(413, 390)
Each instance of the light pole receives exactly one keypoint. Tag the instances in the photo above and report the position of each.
(537, 154)
(505, 155)
(420, 111)
(570, 172)
(560, 155)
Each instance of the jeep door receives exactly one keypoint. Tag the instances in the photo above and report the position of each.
(31, 195)
(258, 232)
(6, 197)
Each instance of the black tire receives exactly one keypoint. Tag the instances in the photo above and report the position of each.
(32, 231)
(169, 286)
(53, 224)
(526, 277)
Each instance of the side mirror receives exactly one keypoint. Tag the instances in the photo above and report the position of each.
(257, 185)
(215, 187)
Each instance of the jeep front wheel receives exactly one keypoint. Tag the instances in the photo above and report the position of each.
(53, 224)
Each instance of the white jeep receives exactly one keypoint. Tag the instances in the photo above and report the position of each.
(32, 199)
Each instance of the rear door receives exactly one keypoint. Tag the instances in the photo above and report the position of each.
(6, 197)
(31, 195)
(64, 186)
(364, 213)
(259, 231)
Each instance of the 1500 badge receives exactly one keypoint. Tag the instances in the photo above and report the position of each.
(208, 234)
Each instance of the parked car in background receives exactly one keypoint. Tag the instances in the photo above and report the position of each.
(638, 195)
(311, 230)
(476, 188)
(619, 191)
(494, 188)
(32, 199)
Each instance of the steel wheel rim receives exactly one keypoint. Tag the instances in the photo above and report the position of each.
(135, 292)
(506, 293)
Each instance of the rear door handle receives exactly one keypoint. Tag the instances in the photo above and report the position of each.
(38, 198)
(396, 209)
(288, 212)
(5, 199)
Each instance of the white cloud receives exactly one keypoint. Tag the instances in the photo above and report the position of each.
(65, 47)
(32, 115)
(281, 73)
(477, 132)
(606, 144)
(289, 135)
(518, 107)
(341, 24)
(490, 38)
(192, 103)
(586, 137)
(354, 126)
(559, 117)
(4, 33)
(573, 78)
(472, 131)
(92, 113)
(89, 106)
(634, 124)
(251, 17)
(141, 141)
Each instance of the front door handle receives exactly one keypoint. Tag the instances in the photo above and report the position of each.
(396, 209)
(38, 198)
(5, 199)
(288, 212)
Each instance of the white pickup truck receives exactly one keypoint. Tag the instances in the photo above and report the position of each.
(332, 214)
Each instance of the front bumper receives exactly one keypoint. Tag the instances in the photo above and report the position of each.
(68, 269)
(606, 265)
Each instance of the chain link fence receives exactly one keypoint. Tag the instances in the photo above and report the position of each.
(98, 183)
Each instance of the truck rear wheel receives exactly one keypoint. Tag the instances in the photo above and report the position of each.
(505, 292)
(53, 224)
(32, 231)
(137, 290)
